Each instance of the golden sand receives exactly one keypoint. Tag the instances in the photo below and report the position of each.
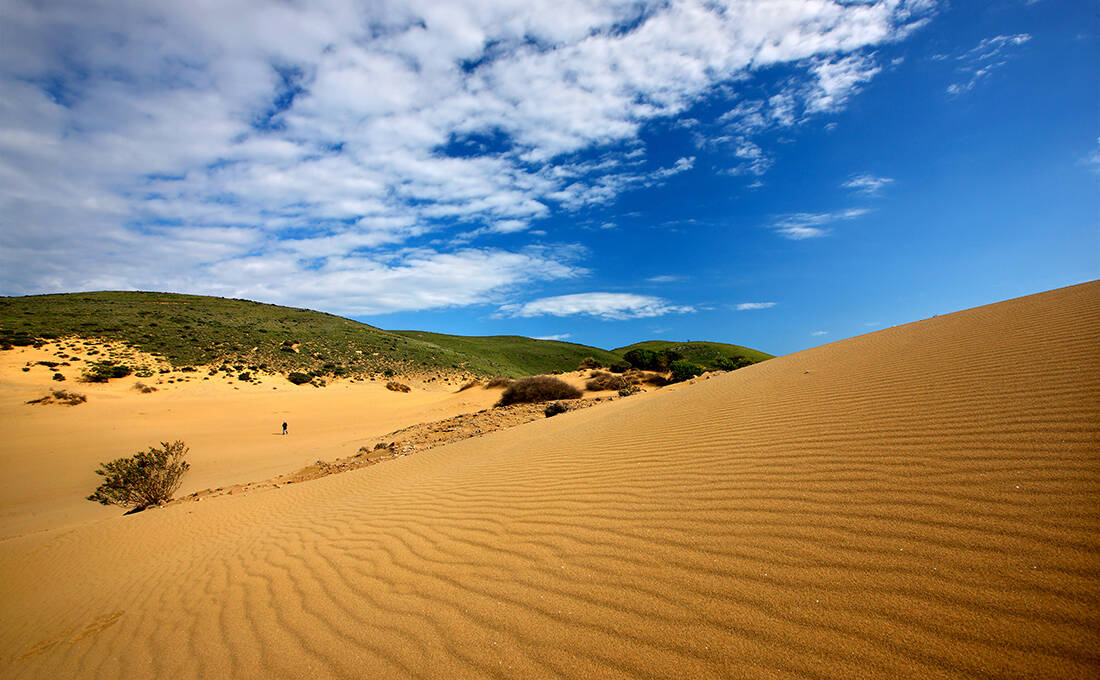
(920, 502)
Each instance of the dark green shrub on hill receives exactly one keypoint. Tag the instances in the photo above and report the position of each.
(619, 367)
(648, 360)
(299, 378)
(684, 370)
(102, 371)
(732, 363)
(244, 377)
(537, 388)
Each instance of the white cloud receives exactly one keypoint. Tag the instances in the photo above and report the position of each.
(867, 184)
(608, 306)
(560, 336)
(989, 55)
(328, 136)
(1092, 161)
(664, 278)
(818, 333)
(745, 306)
(800, 226)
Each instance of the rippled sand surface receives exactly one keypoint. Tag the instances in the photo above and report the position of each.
(920, 502)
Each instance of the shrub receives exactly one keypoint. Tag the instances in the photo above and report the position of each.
(61, 397)
(102, 371)
(589, 362)
(684, 370)
(732, 363)
(619, 367)
(397, 387)
(144, 479)
(58, 377)
(605, 381)
(244, 377)
(554, 408)
(388, 373)
(629, 390)
(468, 385)
(648, 360)
(537, 388)
(498, 381)
(299, 378)
(143, 388)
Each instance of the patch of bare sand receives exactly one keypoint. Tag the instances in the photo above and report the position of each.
(49, 452)
(921, 502)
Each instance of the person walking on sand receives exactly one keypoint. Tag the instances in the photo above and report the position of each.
(284, 428)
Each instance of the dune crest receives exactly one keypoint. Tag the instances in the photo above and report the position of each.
(919, 502)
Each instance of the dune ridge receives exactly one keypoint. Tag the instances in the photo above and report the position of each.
(923, 501)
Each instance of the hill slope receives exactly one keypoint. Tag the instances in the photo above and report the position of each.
(920, 502)
(195, 329)
(515, 355)
(706, 354)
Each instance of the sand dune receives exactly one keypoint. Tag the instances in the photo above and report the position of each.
(920, 502)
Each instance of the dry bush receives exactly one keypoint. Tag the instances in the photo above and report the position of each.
(60, 397)
(600, 381)
(472, 383)
(397, 387)
(499, 381)
(589, 362)
(537, 388)
(144, 479)
(143, 388)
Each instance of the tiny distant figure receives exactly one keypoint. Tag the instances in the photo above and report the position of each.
(284, 428)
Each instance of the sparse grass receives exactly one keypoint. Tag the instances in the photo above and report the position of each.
(397, 387)
(498, 381)
(469, 385)
(60, 397)
(536, 389)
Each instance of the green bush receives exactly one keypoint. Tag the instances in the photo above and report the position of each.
(244, 377)
(589, 362)
(648, 360)
(537, 388)
(619, 367)
(684, 370)
(102, 371)
(299, 378)
(144, 479)
(732, 363)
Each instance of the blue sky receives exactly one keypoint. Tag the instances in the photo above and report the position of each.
(772, 174)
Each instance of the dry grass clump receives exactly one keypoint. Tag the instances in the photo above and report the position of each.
(589, 362)
(602, 380)
(498, 381)
(636, 377)
(471, 384)
(60, 397)
(143, 388)
(537, 388)
(397, 387)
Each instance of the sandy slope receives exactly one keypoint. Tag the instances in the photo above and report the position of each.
(919, 502)
(49, 453)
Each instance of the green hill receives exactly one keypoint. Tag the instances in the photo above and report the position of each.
(514, 355)
(706, 354)
(192, 330)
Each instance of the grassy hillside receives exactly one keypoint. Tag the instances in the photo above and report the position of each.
(192, 329)
(514, 355)
(703, 353)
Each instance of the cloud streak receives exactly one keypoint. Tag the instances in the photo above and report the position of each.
(800, 226)
(606, 306)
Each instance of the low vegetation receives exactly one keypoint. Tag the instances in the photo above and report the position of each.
(516, 356)
(144, 479)
(102, 371)
(397, 387)
(684, 370)
(554, 408)
(537, 389)
(60, 397)
(601, 380)
(706, 354)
